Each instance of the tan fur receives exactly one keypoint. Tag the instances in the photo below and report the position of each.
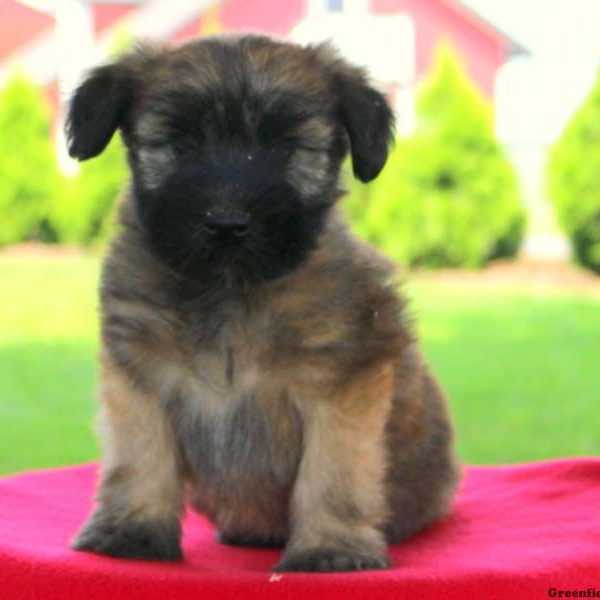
(140, 469)
(295, 340)
(296, 411)
(339, 491)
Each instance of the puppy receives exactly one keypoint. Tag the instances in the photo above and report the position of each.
(256, 359)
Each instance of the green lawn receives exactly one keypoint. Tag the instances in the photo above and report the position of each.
(522, 371)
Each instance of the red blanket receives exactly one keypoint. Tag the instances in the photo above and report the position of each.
(516, 532)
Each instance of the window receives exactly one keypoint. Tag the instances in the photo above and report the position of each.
(334, 6)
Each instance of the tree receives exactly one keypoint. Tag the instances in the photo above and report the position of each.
(448, 196)
(573, 180)
(27, 165)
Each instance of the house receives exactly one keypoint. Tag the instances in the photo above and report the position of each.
(55, 42)
(395, 38)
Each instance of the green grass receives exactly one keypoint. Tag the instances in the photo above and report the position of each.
(521, 370)
(48, 341)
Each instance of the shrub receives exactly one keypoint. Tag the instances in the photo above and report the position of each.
(27, 165)
(84, 210)
(448, 196)
(573, 180)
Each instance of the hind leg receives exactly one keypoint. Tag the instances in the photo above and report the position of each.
(416, 504)
(423, 472)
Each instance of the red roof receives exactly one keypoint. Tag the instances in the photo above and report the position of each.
(106, 15)
(19, 25)
(480, 22)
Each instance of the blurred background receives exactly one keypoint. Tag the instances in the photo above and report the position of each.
(490, 202)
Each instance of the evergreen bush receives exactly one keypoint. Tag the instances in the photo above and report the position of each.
(448, 196)
(573, 180)
(27, 164)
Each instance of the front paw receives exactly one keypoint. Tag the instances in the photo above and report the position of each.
(332, 559)
(129, 538)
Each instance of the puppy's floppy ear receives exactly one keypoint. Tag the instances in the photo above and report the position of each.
(369, 121)
(97, 108)
(363, 111)
(101, 103)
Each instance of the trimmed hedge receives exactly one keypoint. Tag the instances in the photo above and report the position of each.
(28, 175)
(448, 196)
(573, 180)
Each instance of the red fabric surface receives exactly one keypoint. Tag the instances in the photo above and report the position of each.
(515, 532)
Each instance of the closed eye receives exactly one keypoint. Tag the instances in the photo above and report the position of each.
(181, 147)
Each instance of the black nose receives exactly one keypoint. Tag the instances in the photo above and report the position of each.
(226, 224)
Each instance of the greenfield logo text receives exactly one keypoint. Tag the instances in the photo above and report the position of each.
(587, 593)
